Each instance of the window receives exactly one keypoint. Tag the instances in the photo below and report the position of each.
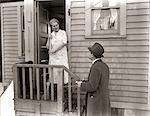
(106, 18)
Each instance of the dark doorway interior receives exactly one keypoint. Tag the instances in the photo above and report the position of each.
(47, 11)
(56, 9)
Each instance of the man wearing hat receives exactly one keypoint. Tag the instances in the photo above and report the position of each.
(96, 87)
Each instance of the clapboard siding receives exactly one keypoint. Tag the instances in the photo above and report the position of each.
(138, 31)
(77, 16)
(116, 48)
(77, 10)
(136, 1)
(77, 27)
(129, 89)
(128, 99)
(77, 22)
(138, 12)
(77, 4)
(131, 71)
(119, 76)
(111, 42)
(140, 5)
(115, 60)
(139, 18)
(138, 25)
(128, 58)
(138, 37)
(112, 54)
(10, 37)
(114, 65)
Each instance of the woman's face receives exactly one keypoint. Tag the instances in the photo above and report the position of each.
(55, 26)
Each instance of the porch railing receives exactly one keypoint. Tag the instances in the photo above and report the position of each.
(36, 82)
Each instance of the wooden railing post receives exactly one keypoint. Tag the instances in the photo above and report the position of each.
(60, 92)
(69, 94)
(78, 100)
(23, 82)
(44, 82)
(16, 82)
(37, 84)
(31, 84)
(35, 78)
(51, 79)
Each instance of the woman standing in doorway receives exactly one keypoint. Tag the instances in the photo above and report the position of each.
(57, 45)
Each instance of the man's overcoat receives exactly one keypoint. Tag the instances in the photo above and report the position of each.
(98, 103)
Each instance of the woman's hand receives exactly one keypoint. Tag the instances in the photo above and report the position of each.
(52, 51)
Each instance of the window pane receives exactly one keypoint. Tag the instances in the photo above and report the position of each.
(105, 19)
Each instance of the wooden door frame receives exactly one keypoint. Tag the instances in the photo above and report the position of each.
(68, 27)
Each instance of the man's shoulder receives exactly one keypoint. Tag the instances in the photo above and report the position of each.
(99, 64)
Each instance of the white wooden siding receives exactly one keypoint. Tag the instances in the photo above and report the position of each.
(128, 58)
(10, 38)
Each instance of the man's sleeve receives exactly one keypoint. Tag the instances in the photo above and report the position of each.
(94, 79)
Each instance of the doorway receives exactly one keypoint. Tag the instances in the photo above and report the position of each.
(46, 11)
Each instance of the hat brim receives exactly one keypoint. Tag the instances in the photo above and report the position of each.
(89, 48)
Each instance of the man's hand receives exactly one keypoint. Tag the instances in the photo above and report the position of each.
(79, 83)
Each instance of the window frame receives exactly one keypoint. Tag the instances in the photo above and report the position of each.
(122, 21)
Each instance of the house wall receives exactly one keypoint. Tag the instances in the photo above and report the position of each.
(129, 112)
(128, 58)
(10, 35)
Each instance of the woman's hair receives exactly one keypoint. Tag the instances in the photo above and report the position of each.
(53, 20)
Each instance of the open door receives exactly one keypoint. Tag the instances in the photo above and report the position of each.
(42, 33)
(47, 10)
(36, 26)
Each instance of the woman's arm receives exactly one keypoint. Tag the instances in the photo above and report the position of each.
(59, 48)
(48, 42)
(62, 43)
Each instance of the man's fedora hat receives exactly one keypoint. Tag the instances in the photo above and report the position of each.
(97, 50)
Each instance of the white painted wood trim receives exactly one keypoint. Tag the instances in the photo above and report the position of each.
(68, 28)
(37, 32)
(2, 44)
(1, 90)
(123, 18)
(12, 4)
(88, 17)
(149, 66)
(19, 30)
(29, 30)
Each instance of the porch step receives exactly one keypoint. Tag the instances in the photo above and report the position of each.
(24, 107)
